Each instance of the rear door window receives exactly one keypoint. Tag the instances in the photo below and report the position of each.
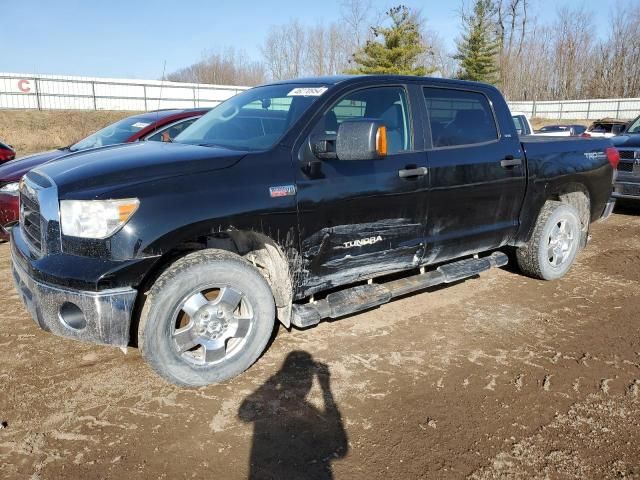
(459, 117)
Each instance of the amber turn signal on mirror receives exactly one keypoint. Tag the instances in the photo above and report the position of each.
(381, 140)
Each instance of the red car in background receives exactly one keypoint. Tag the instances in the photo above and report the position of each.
(161, 125)
(6, 152)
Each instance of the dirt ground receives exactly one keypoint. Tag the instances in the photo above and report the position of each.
(501, 376)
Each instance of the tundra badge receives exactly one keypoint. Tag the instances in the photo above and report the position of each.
(362, 242)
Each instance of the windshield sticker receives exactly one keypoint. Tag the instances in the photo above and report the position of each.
(140, 125)
(307, 92)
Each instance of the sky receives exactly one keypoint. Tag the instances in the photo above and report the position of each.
(134, 38)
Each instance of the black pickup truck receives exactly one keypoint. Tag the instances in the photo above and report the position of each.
(298, 201)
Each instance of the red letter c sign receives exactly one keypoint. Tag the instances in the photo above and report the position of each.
(23, 85)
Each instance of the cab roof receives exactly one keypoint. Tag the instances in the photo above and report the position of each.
(336, 79)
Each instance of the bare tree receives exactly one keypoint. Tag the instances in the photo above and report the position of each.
(357, 16)
(283, 50)
(327, 51)
(616, 70)
(558, 60)
(229, 67)
(436, 57)
(512, 18)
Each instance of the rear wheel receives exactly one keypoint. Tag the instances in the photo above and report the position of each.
(554, 244)
(206, 319)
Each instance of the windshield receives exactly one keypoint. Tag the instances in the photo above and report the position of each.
(635, 126)
(118, 132)
(253, 120)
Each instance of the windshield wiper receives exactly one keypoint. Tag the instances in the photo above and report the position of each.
(211, 145)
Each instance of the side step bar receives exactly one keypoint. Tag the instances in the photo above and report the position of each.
(364, 297)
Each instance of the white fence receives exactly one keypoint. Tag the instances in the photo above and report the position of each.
(45, 92)
(50, 92)
(623, 108)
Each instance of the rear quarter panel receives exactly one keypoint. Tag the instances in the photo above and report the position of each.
(557, 165)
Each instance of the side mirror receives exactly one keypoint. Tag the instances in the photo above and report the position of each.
(361, 139)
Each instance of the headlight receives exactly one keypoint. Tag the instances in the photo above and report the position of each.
(95, 218)
(10, 188)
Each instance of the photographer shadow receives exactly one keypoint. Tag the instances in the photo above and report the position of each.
(292, 438)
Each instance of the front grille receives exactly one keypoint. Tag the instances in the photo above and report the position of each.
(627, 154)
(31, 221)
(625, 167)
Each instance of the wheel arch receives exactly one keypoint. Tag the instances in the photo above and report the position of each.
(577, 195)
(573, 193)
(257, 248)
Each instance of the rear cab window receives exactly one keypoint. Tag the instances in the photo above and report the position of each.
(459, 117)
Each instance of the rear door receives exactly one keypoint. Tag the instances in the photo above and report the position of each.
(476, 170)
(361, 218)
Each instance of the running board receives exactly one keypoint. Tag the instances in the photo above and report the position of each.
(364, 297)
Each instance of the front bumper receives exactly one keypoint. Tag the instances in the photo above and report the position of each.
(99, 317)
(627, 190)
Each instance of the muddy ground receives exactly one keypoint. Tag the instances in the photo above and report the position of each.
(501, 376)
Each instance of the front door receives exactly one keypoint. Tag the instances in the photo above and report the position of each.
(477, 175)
(362, 218)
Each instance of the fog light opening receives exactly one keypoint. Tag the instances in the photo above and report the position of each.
(72, 317)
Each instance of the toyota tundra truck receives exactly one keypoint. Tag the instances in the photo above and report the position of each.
(296, 201)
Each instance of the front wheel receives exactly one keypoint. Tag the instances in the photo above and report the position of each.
(555, 242)
(206, 319)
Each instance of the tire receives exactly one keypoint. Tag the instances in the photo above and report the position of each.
(549, 253)
(192, 339)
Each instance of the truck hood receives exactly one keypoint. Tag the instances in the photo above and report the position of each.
(14, 170)
(91, 173)
(627, 141)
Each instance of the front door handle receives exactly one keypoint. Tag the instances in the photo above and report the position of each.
(509, 162)
(413, 172)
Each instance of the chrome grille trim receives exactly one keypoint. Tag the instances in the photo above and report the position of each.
(39, 213)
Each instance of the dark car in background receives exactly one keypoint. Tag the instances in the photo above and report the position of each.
(606, 127)
(627, 185)
(6, 152)
(561, 130)
(161, 125)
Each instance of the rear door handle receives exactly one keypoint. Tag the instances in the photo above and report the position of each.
(509, 161)
(413, 172)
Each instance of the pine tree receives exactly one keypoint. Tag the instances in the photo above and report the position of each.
(395, 49)
(478, 48)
